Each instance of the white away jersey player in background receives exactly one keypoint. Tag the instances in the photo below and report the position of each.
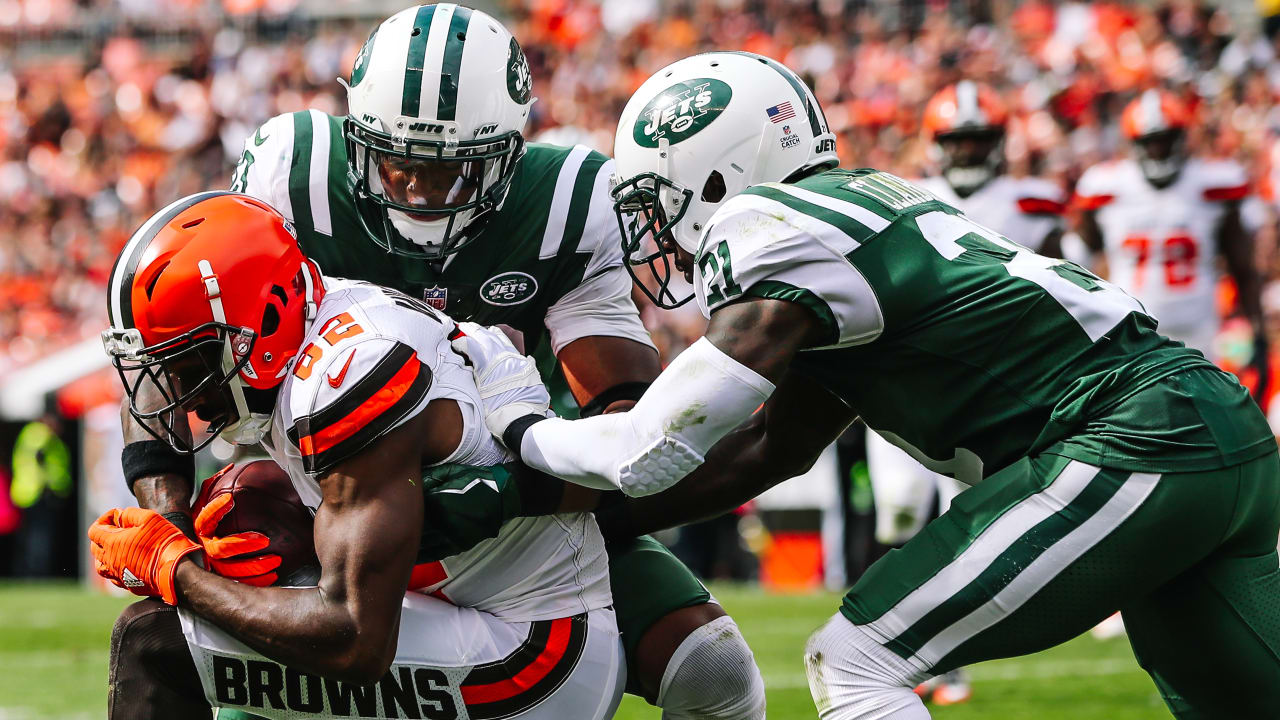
(1161, 244)
(966, 124)
(1161, 218)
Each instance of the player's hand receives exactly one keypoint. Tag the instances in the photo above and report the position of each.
(237, 556)
(139, 550)
(508, 381)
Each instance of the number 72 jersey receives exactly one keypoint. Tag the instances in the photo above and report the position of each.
(957, 344)
(1161, 243)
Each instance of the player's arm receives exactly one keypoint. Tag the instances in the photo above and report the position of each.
(1052, 245)
(347, 626)
(1094, 191)
(596, 333)
(1237, 249)
(710, 389)
(159, 477)
(780, 442)
(607, 374)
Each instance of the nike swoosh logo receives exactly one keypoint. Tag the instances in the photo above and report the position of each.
(336, 380)
(258, 139)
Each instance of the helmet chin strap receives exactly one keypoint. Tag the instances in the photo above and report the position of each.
(248, 428)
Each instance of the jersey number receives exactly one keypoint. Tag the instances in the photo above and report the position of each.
(721, 288)
(1179, 251)
(338, 328)
(1096, 304)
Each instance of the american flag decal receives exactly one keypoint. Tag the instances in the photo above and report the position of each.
(780, 112)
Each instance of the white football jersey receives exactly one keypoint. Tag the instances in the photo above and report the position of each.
(373, 359)
(1161, 244)
(1025, 210)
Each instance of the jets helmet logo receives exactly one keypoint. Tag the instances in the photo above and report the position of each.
(519, 79)
(362, 60)
(680, 111)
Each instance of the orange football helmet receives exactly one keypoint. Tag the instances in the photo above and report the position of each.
(209, 301)
(1156, 122)
(966, 123)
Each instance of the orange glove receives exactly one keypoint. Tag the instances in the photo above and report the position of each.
(237, 556)
(139, 551)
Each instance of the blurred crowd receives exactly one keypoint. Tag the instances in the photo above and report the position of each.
(97, 134)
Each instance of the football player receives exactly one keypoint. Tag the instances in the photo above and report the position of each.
(428, 186)
(1161, 219)
(354, 390)
(1111, 467)
(966, 124)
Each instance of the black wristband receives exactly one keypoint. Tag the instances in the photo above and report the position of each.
(184, 523)
(622, 391)
(514, 433)
(145, 458)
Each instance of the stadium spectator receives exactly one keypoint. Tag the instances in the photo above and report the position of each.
(155, 99)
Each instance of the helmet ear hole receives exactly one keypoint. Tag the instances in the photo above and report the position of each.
(714, 189)
(151, 284)
(270, 320)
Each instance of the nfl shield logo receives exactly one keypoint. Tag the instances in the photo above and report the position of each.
(436, 296)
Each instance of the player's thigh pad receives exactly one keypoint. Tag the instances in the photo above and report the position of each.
(1031, 557)
(451, 663)
(903, 490)
(648, 583)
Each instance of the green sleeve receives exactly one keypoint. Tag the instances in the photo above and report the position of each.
(464, 505)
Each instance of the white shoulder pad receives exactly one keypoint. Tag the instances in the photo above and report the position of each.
(1041, 188)
(1220, 180)
(349, 396)
(263, 170)
(759, 247)
(1099, 180)
(366, 367)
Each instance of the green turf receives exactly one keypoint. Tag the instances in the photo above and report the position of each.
(53, 662)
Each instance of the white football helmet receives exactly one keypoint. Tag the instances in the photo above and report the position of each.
(438, 99)
(698, 132)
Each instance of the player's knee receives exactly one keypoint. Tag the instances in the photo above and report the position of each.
(148, 633)
(853, 676)
(713, 674)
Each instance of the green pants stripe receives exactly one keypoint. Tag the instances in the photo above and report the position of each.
(1188, 558)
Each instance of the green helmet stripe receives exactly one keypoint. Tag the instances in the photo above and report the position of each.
(300, 170)
(810, 105)
(453, 44)
(412, 94)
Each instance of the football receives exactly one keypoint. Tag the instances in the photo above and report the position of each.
(266, 502)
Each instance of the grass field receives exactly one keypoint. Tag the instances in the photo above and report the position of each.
(53, 662)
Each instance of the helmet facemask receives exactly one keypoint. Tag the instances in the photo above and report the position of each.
(427, 198)
(189, 373)
(971, 158)
(1161, 155)
(642, 214)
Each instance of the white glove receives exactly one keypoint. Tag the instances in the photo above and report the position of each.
(508, 381)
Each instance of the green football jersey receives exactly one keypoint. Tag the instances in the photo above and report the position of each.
(964, 348)
(552, 244)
